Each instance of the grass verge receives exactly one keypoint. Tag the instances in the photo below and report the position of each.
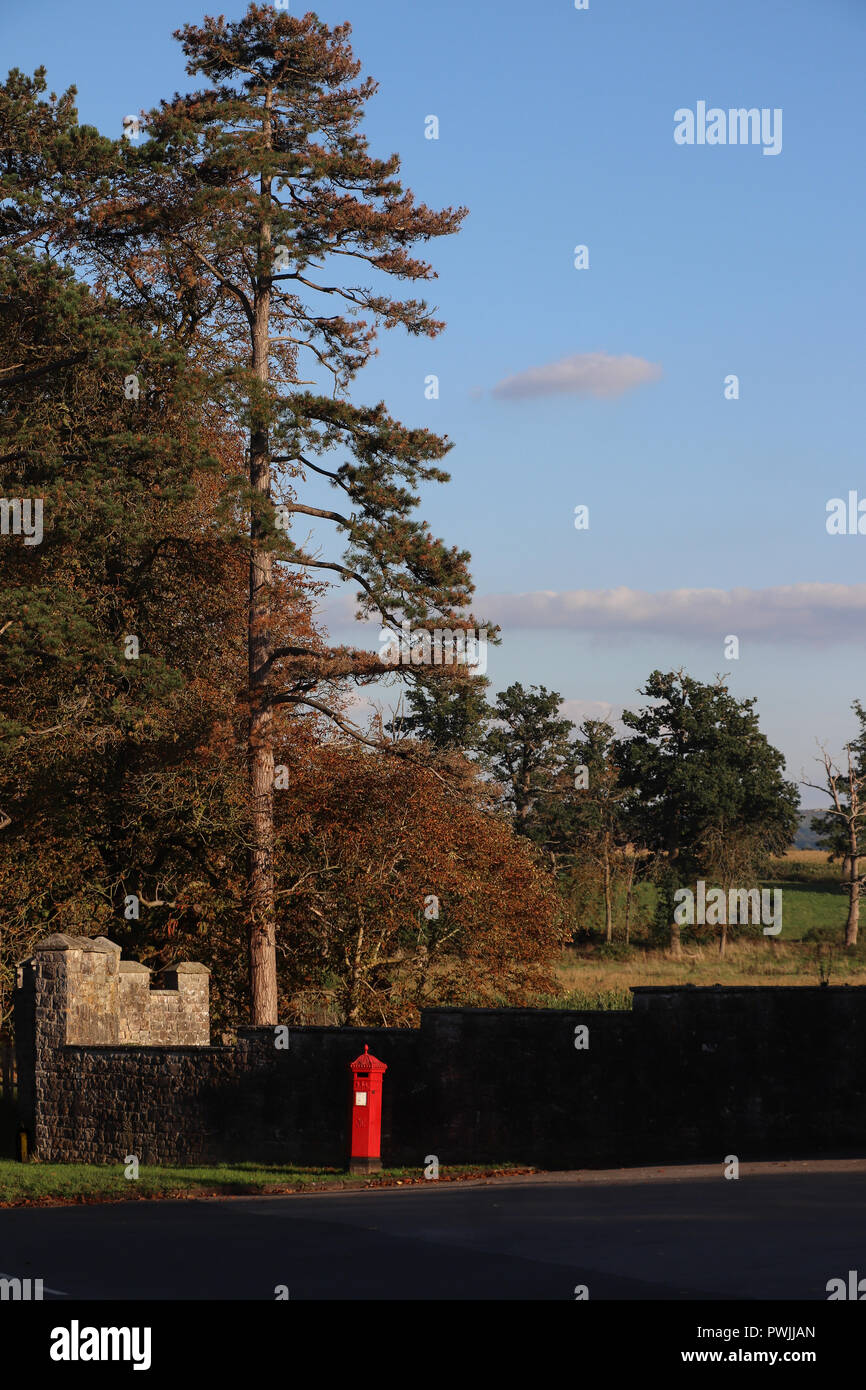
(62, 1184)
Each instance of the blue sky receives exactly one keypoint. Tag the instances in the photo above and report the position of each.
(556, 129)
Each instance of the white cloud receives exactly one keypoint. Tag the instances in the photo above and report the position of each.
(583, 374)
(820, 613)
(337, 607)
(579, 710)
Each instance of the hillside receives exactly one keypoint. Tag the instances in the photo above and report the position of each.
(805, 837)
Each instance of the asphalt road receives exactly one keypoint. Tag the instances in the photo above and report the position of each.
(779, 1231)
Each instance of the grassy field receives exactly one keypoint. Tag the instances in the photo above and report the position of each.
(592, 981)
(596, 976)
(812, 896)
(48, 1184)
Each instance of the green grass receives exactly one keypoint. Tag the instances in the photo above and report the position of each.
(593, 975)
(819, 905)
(47, 1183)
(812, 896)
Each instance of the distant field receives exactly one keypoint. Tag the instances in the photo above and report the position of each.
(804, 907)
(812, 893)
(812, 896)
(811, 856)
(590, 981)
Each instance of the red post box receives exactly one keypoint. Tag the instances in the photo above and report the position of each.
(367, 1072)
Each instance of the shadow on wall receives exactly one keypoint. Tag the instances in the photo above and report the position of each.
(687, 1074)
(8, 1127)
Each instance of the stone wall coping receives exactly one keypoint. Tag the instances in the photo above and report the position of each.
(63, 941)
(60, 941)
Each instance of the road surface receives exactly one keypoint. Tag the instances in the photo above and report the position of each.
(779, 1231)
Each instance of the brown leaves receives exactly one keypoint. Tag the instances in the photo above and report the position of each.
(366, 841)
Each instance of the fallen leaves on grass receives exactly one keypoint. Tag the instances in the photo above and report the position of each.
(191, 1194)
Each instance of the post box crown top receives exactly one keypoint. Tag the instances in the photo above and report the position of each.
(367, 1062)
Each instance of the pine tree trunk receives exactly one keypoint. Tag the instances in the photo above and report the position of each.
(262, 910)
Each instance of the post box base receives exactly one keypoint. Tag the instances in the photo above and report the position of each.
(365, 1165)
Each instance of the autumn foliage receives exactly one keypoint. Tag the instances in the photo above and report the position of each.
(406, 892)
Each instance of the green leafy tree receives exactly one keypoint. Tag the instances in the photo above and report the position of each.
(732, 853)
(527, 749)
(583, 822)
(602, 825)
(450, 712)
(702, 770)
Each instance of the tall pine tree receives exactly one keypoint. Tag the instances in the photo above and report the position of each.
(235, 224)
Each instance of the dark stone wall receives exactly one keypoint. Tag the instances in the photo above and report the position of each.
(689, 1074)
(249, 1102)
(509, 1085)
(772, 1070)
